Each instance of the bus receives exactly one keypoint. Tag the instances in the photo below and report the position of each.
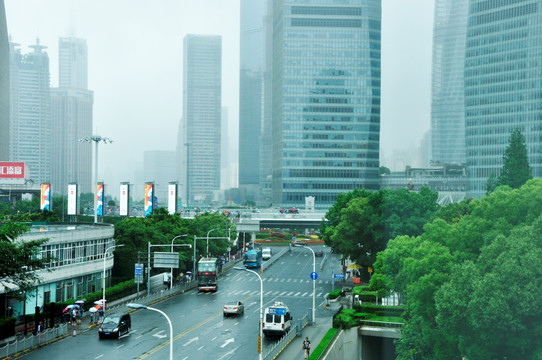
(207, 273)
(253, 258)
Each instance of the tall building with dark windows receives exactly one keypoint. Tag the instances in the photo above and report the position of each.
(30, 127)
(447, 100)
(72, 119)
(201, 123)
(4, 85)
(326, 99)
(251, 97)
(503, 85)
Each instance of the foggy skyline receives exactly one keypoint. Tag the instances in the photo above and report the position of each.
(135, 68)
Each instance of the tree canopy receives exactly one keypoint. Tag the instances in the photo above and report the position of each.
(472, 281)
(516, 169)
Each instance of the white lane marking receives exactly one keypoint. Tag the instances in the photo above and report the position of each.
(191, 341)
(159, 334)
(201, 347)
(227, 342)
(99, 356)
(118, 347)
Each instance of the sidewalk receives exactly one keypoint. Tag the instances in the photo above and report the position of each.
(315, 333)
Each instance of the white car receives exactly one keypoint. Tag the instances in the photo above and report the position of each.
(267, 253)
(234, 308)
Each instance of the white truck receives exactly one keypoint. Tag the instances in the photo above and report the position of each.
(267, 253)
(277, 320)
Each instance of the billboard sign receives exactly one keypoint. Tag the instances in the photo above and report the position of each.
(124, 195)
(72, 199)
(11, 170)
(172, 198)
(148, 200)
(45, 198)
(100, 199)
(166, 260)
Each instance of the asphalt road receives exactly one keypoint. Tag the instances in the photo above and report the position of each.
(199, 329)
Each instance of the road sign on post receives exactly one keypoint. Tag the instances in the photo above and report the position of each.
(166, 260)
(138, 274)
(314, 275)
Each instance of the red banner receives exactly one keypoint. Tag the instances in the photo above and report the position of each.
(11, 170)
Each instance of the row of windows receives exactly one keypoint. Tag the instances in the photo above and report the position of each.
(319, 163)
(499, 99)
(65, 254)
(496, 28)
(331, 145)
(492, 4)
(350, 63)
(498, 38)
(326, 10)
(320, 186)
(328, 173)
(503, 14)
(340, 23)
(500, 68)
(524, 45)
(501, 58)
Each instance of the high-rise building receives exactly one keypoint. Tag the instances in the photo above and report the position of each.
(159, 168)
(4, 85)
(326, 99)
(72, 63)
(448, 107)
(503, 85)
(71, 117)
(200, 129)
(250, 96)
(30, 128)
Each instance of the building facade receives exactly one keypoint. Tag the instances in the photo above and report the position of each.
(30, 126)
(251, 96)
(326, 99)
(4, 85)
(159, 168)
(503, 85)
(200, 129)
(447, 99)
(72, 119)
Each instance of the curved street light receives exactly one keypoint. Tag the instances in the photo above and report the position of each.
(207, 253)
(313, 281)
(261, 308)
(171, 269)
(145, 307)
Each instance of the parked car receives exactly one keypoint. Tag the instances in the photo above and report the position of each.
(234, 308)
(115, 325)
(319, 253)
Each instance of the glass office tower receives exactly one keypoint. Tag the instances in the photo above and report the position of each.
(326, 99)
(447, 101)
(503, 85)
(4, 85)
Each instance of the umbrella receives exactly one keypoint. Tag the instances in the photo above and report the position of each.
(82, 301)
(353, 266)
(68, 307)
(99, 302)
(189, 272)
(93, 309)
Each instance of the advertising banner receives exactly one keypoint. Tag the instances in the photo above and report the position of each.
(72, 199)
(124, 195)
(12, 170)
(45, 198)
(149, 196)
(172, 198)
(100, 199)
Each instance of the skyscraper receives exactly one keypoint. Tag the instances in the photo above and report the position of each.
(503, 85)
(30, 128)
(71, 117)
(4, 85)
(200, 128)
(326, 99)
(448, 107)
(250, 97)
(72, 63)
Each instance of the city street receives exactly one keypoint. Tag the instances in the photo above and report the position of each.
(199, 328)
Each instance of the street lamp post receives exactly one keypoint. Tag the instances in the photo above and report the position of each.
(207, 253)
(96, 139)
(171, 269)
(261, 308)
(105, 257)
(313, 281)
(139, 306)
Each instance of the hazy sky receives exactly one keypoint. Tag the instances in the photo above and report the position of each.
(135, 67)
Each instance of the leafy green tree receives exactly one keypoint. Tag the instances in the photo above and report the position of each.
(516, 169)
(384, 170)
(491, 183)
(19, 259)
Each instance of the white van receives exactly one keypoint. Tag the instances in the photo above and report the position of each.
(277, 320)
(267, 253)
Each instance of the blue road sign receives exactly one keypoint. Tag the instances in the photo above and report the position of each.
(139, 270)
(338, 276)
(314, 275)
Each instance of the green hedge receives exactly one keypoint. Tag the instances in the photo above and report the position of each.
(334, 294)
(7, 327)
(348, 318)
(322, 346)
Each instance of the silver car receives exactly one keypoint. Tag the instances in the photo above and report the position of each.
(234, 308)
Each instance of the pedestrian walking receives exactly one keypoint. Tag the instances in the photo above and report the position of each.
(307, 347)
(102, 313)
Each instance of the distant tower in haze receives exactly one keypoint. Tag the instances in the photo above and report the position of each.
(326, 99)
(503, 85)
(448, 95)
(30, 128)
(72, 63)
(251, 97)
(200, 130)
(71, 115)
(4, 85)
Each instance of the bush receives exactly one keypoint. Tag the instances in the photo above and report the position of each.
(334, 294)
(7, 327)
(344, 319)
(322, 346)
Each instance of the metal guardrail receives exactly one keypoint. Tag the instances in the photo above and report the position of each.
(274, 258)
(384, 324)
(280, 345)
(33, 341)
